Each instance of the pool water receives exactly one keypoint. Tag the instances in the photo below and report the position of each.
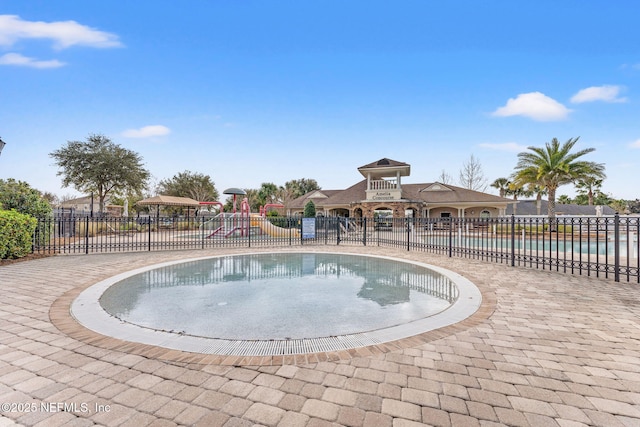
(279, 296)
(593, 247)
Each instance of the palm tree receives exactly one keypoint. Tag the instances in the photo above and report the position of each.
(552, 166)
(253, 198)
(588, 185)
(517, 191)
(539, 191)
(564, 199)
(502, 184)
(267, 193)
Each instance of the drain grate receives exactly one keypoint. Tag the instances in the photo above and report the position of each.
(285, 347)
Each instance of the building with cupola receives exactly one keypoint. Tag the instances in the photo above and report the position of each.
(384, 192)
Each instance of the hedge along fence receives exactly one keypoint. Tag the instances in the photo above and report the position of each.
(16, 234)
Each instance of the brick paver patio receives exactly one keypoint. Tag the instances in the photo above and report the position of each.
(545, 349)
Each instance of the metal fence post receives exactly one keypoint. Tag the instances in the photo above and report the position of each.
(513, 240)
(203, 231)
(364, 231)
(408, 234)
(249, 230)
(450, 219)
(616, 246)
(33, 239)
(86, 235)
(325, 220)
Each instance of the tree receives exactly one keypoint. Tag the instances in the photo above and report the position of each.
(286, 195)
(252, 197)
(444, 177)
(300, 187)
(552, 166)
(539, 191)
(502, 184)
(268, 193)
(195, 185)
(587, 186)
(20, 196)
(309, 210)
(129, 201)
(621, 206)
(517, 191)
(51, 198)
(633, 206)
(100, 166)
(564, 199)
(597, 198)
(471, 175)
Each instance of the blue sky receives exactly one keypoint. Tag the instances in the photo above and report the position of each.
(268, 91)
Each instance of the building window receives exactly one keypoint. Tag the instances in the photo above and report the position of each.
(445, 214)
(485, 214)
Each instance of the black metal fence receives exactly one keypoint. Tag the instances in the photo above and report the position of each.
(600, 246)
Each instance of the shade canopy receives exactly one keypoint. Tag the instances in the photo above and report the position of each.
(169, 201)
(235, 191)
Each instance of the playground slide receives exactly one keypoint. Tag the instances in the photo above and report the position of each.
(273, 230)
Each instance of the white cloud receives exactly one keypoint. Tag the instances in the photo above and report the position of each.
(24, 61)
(606, 93)
(535, 105)
(635, 144)
(64, 34)
(507, 146)
(631, 66)
(147, 131)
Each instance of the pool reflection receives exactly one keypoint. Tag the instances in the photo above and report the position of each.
(218, 287)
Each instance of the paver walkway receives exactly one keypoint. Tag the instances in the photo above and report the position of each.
(549, 349)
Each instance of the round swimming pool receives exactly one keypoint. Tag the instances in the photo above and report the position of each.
(276, 303)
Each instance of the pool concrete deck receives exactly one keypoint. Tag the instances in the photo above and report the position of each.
(545, 349)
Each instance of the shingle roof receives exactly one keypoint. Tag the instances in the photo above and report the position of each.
(169, 201)
(335, 197)
(528, 207)
(447, 194)
(384, 162)
(415, 192)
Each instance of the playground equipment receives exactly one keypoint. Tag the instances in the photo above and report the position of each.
(220, 209)
(265, 208)
(269, 228)
(234, 224)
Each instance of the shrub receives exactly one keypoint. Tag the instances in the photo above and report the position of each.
(20, 196)
(16, 232)
(180, 225)
(284, 221)
(310, 210)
